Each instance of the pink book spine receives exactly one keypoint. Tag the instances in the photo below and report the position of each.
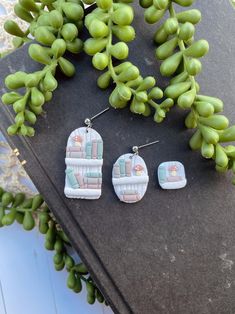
(94, 149)
(74, 149)
(80, 180)
(93, 186)
(93, 180)
(128, 168)
(77, 155)
(116, 171)
(131, 198)
(174, 179)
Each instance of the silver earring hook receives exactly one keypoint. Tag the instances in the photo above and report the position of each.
(135, 149)
(88, 121)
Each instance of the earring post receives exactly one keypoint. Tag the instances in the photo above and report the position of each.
(148, 144)
(135, 149)
(100, 113)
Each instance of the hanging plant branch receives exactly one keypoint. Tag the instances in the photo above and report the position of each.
(31, 212)
(104, 23)
(55, 26)
(180, 56)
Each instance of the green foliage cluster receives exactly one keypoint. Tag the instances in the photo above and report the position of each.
(180, 55)
(31, 212)
(109, 21)
(55, 25)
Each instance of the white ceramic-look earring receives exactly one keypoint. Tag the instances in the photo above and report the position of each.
(171, 175)
(130, 176)
(84, 160)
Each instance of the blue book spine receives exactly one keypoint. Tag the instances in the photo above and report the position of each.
(99, 149)
(71, 178)
(122, 167)
(88, 150)
(162, 174)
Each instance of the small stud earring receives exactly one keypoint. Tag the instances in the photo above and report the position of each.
(171, 175)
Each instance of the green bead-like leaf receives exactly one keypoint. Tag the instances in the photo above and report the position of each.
(28, 221)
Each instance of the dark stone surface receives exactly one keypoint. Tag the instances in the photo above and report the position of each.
(174, 251)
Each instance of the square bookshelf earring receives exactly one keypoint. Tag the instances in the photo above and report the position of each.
(84, 160)
(171, 175)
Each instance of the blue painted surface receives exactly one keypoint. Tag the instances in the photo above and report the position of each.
(28, 282)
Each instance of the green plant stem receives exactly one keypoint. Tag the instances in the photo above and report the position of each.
(110, 63)
(109, 44)
(111, 67)
(153, 104)
(181, 45)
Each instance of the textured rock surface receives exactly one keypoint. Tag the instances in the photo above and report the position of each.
(174, 251)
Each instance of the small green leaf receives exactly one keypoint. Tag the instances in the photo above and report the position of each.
(232, 3)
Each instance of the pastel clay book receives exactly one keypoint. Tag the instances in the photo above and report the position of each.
(84, 160)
